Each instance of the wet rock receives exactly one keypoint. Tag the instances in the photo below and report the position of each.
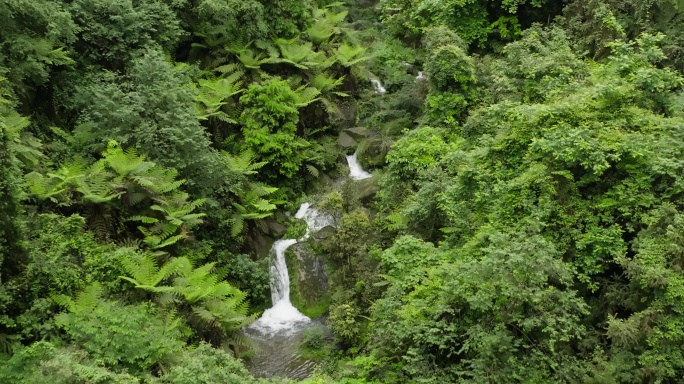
(367, 188)
(372, 152)
(345, 140)
(325, 232)
(262, 245)
(358, 133)
(275, 229)
(310, 287)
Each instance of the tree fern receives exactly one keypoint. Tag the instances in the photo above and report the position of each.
(301, 55)
(253, 60)
(212, 96)
(59, 185)
(325, 83)
(252, 205)
(145, 272)
(24, 146)
(331, 107)
(312, 170)
(320, 32)
(242, 163)
(212, 300)
(88, 299)
(349, 55)
(306, 95)
(228, 68)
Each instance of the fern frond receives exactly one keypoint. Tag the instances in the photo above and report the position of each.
(312, 170)
(170, 241)
(306, 96)
(144, 219)
(349, 55)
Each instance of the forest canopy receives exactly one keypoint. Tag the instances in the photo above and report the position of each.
(523, 223)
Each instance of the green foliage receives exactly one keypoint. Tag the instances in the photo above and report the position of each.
(10, 235)
(116, 334)
(250, 276)
(33, 36)
(61, 259)
(151, 108)
(314, 338)
(416, 152)
(513, 312)
(213, 94)
(206, 365)
(111, 32)
(593, 24)
(447, 64)
(213, 303)
(45, 362)
(473, 20)
(527, 226)
(252, 196)
(550, 214)
(269, 123)
(126, 178)
(540, 63)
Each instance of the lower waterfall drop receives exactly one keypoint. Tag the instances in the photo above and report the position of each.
(279, 330)
(283, 316)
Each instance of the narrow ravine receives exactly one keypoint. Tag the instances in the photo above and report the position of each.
(278, 332)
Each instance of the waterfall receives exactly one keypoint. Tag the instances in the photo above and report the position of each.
(355, 170)
(420, 76)
(283, 316)
(378, 86)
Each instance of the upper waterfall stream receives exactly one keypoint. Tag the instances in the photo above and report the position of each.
(280, 329)
(355, 170)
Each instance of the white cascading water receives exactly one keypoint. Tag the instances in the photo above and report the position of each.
(355, 170)
(420, 76)
(283, 316)
(378, 86)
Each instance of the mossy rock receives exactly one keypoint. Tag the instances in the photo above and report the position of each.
(262, 245)
(324, 232)
(357, 133)
(371, 152)
(309, 291)
(345, 140)
(275, 229)
(367, 188)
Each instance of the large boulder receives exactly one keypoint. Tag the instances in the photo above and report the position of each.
(261, 244)
(358, 133)
(345, 140)
(366, 189)
(308, 280)
(372, 151)
(325, 232)
(275, 229)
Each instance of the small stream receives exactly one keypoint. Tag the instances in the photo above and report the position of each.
(355, 170)
(279, 332)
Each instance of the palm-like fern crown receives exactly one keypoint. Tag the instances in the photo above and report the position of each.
(127, 176)
(349, 55)
(243, 163)
(24, 146)
(86, 300)
(326, 24)
(212, 299)
(325, 83)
